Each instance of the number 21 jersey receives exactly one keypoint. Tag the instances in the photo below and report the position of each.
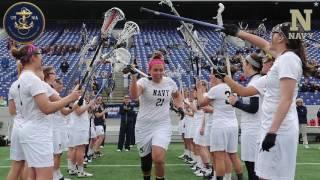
(155, 102)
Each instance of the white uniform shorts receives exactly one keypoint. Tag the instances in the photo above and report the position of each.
(146, 138)
(57, 142)
(93, 133)
(37, 146)
(224, 139)
(280, 162)
(181, 126)
(99, 130)
(207, 132)
(249, 146)
(16, 151)
(187, 123)
(78, 137)
(199, 139)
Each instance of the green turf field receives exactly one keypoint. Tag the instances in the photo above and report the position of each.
(125, 165)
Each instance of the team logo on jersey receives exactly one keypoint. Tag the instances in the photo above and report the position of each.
(24, 22)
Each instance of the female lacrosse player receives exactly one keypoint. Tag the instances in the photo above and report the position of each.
(35, 133)
(99, 112)
(224, 130)
(57, 118)
(279, 125)
(250, 114)
(153, 128)
(16, 153)
(79, 138)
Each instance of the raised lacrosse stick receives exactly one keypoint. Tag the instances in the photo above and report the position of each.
(130, 29)
(111, 17)
(120, 58)
(181, 19)
(224, 41)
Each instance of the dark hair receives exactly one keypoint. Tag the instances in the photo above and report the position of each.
(157, 55)
(233, 70)
(46, 72)
(24, 53)
(297, 46)
(258, 59)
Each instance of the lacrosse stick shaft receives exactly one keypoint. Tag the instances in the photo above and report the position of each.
(193, 38)
(179, 18)
(91, 64)
(224, 49)
(100, 90)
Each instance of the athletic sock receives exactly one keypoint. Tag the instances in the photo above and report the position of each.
(69, 164)
(160, 178)
(74, 167)
(80, 168)
(55, 175)
(189, 153)
(227, 176)
(240, 176)
(60, 175)
(199, 162)
(147, 177)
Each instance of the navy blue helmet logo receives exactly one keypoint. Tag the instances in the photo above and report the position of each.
(24, 22)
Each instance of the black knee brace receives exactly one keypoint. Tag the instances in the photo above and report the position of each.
(146, 163)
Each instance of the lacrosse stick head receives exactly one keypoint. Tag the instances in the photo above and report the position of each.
(130, 28)
(166, 2)
(111, 17)
(120, 58)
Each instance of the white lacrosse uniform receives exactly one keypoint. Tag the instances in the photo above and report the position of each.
(224, 130)
(60, 136)
(80, 128)
(193, 121)
(198, 138)
(36, 131)
(250, 127)
(58, 132)
(187, 123)
(153, 126)
(280, 161)
(208, 128)
(16, 151)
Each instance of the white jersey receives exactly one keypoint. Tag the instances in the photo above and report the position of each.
(58, 119)
(198, 117)
(224, 114)
(288, 65)
(260, 85)
(80, 122)
(155, 102)
(36, 123)
(208, 116)
(250, 123)
(14, 95)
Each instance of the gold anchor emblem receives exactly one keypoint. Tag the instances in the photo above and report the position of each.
(22, 24)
